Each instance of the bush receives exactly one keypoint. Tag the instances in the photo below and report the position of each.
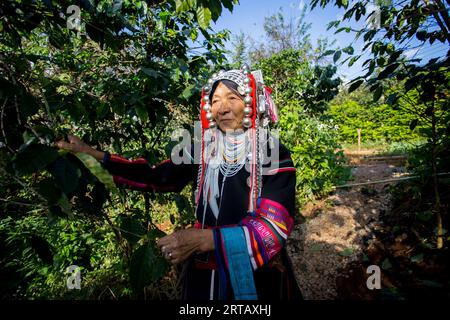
(317, 156)
(378, 122)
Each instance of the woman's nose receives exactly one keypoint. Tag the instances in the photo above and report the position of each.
(223, 108)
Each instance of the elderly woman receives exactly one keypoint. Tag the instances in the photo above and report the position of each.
(244, 200)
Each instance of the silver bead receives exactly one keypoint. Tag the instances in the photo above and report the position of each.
(245, 71)
(206, 99)
(212, 125)
(248, 90)
(247, 111)
(210, 82)
(248, 100)
(207, 88)
(209, 116)
(207, 107)
(245, 67)
(214, 75)
(247, 80)
(247, 122)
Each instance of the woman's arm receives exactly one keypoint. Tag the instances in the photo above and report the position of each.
(137, 174)
(75, 145)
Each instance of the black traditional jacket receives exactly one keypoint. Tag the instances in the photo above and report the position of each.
(266, 229)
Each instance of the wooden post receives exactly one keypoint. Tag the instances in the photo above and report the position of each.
(359, 139)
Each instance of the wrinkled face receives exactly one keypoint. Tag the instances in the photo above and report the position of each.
(227, 108)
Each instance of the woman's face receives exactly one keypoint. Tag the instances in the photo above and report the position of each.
(227, 108)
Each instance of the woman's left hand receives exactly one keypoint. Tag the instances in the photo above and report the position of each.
(178, 246)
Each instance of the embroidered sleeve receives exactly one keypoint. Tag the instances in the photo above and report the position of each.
(138, 174)
(267, 231)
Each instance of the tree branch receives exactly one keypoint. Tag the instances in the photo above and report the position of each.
(438, 20)
(3, 128)
(444, 13)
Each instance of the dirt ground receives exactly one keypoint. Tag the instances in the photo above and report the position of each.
(325, 248)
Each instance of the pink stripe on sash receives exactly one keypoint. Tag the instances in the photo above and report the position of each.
(278, 211)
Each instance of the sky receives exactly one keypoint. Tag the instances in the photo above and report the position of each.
(248, 17)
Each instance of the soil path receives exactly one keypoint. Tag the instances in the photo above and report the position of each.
(340, 227)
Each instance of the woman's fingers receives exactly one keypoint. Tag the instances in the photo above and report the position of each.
(163, 244)
(74, 139)
(169, 253)
(64, 145)
(163, 241)
(75, 144)
(174, 250)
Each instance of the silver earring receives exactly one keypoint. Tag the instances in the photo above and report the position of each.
(207, 105)
(247, 122)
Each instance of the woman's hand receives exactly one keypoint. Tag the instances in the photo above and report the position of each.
(75, 145)
(178, 246)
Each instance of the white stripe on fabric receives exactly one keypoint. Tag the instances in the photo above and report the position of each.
(211, 290)
(249, 248)
(277, 228)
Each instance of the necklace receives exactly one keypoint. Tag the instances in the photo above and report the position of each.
(232, 153)
(225, 154)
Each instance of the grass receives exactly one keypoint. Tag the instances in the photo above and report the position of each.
(403, 147)
(385, 148)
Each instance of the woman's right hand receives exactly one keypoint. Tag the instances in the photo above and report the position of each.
(75, 145)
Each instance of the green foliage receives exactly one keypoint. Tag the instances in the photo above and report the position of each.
(419, 87)
(33, 158)
(239, 55)
(397, 25)
(284, 34)
(404, 147)
(286, 73)
(292, 77)
(97, 170)
(131, 228)
(122, 80)
(146, 266)
(302, 89)
(35, 257)
(378, 122)
(321, 89)
(315, 152)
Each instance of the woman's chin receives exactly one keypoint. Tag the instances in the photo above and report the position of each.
(226, 126)
(229, 126)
